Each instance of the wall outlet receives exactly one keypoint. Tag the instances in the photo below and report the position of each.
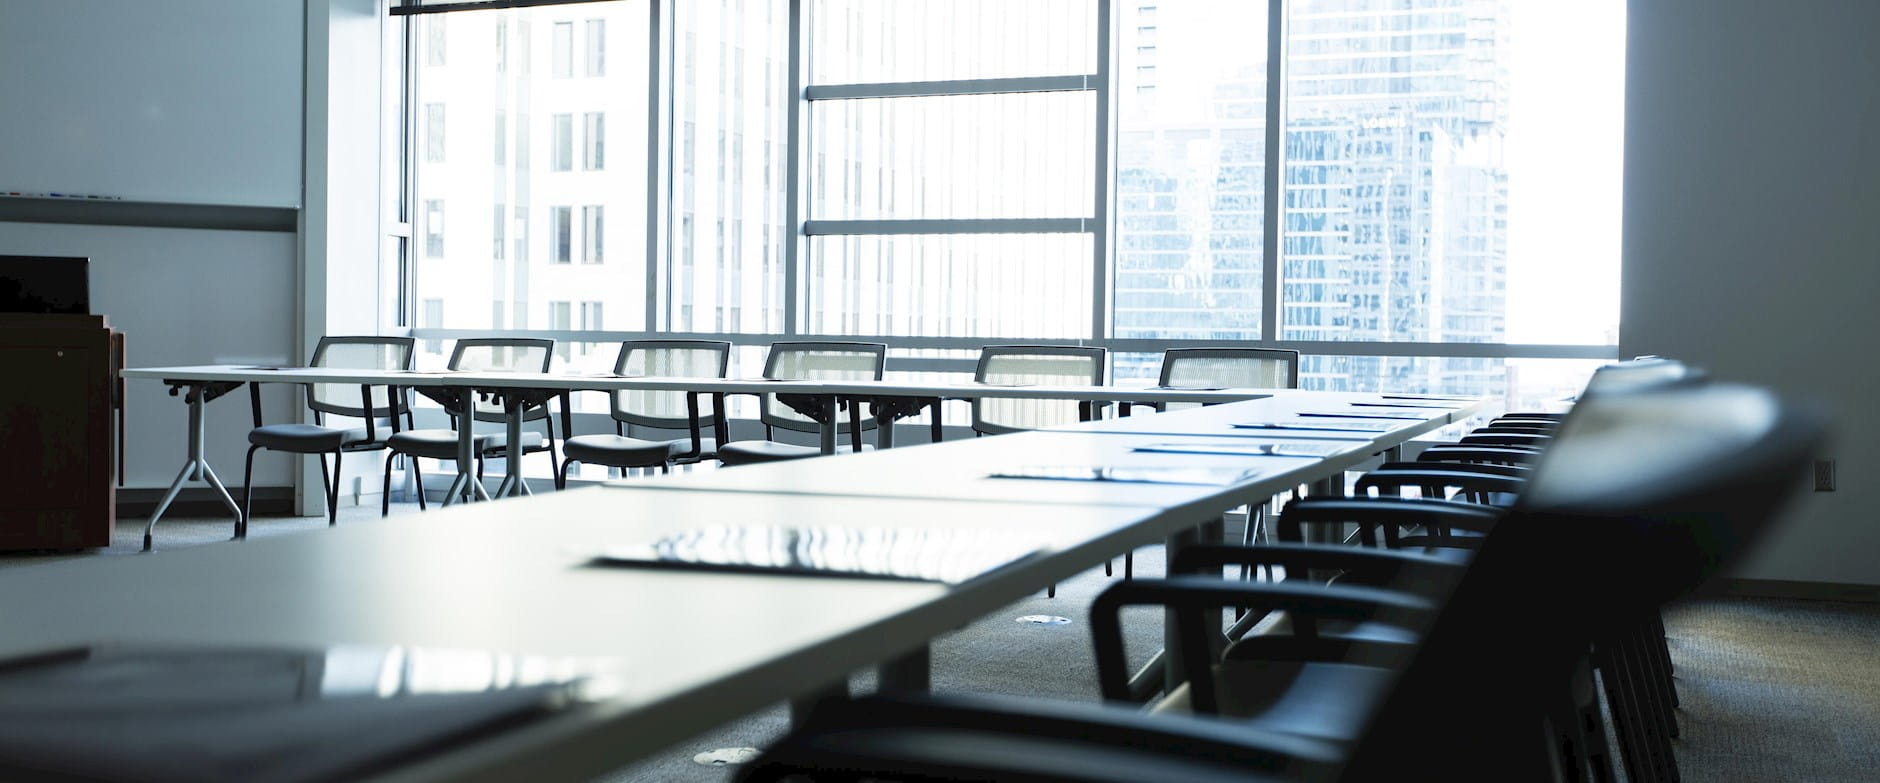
(1824, 475)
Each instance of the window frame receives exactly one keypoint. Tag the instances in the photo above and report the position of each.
(662, 242)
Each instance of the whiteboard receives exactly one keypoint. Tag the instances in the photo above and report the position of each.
(176, 101)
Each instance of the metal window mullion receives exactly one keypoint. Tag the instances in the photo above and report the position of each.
(1102, 319)
(949, 226)
(414, 8)
(1124, 345)
(946, 87)
(658, 160)
(1275, 158)
(797, 148)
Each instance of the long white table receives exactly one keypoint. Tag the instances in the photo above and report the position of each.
(200, 384)
(704, 647)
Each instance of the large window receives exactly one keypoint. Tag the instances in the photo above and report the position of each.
(1419, 195)
(536, 77)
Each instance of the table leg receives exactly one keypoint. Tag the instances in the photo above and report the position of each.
(1173, 673)
(466, 452)
(828, 426)
(513, 483)
(195, 466)
(802, 706)
(910, 673)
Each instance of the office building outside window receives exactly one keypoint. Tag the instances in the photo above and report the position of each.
(561, 223)
(562, 125)
(591, 229)
(434, 133)
(596, 61)
(563, 50)
(434, 228)
(594, 141)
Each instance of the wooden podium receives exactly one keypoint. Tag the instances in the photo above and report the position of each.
(57, 461)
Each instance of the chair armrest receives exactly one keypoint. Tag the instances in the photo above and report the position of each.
(1188, 596)
(1510, 471)
(1387, 513)
(987, 737)
(1373, 567)
(1506, 455)
(1460, 478)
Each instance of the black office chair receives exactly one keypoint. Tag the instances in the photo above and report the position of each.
(665, 410)
(826, 361)
(1479, 694)
(480, 354)
(333, 399)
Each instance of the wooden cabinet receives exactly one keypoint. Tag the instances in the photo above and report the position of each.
(57, 426)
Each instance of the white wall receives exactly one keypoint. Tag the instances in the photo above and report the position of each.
(185, 296)
(196, 101)
(193, 101)
(1752, 230)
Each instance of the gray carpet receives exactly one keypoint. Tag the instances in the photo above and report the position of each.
(1772, 690)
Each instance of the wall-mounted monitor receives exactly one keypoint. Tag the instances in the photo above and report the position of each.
(44, 284)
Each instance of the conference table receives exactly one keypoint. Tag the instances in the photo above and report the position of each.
(198, 385)
(698, 648)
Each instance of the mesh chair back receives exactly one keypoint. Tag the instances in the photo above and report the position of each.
(666, 359)
(818, 361)
(358, 353)
(502, 354)
(1230, 368)
(1032, 365)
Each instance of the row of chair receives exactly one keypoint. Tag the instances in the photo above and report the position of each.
(386, 420)
(1487, 579)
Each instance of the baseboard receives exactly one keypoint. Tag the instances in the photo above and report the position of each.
(1810, 591)
(201, 502)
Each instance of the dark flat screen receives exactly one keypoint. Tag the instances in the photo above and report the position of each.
(44, 284)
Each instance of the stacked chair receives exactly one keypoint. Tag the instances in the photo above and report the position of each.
(1460, 655)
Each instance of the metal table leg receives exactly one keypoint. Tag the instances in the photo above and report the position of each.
(827, 428)
(910, 673)
(195, 467)
(466, 452)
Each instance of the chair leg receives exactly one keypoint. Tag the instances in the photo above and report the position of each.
(414, 467)
(332, 496)
(1129, 564)
(248, 493)
(561, 475)
(385, 498)
(327, 482)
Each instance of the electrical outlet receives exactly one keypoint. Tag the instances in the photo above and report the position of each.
(1824, 475)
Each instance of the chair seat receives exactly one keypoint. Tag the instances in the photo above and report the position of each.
(496, 442)
(304, 438)
(1325, 701)
(617, 451)
(749, 452)
(432, 444)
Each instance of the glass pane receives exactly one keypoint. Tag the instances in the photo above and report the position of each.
(729, 116)
(477, 265)
(869, 41)
(1008, 286)
(967, 156)
(1452, 171)
(1191, 152)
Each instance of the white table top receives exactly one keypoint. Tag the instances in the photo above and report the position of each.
(509, 577)
(608, 382)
